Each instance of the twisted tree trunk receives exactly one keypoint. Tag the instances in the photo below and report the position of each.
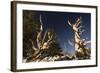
(79, 44)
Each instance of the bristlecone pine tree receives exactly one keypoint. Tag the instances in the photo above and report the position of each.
(36, 45)
(81, 51)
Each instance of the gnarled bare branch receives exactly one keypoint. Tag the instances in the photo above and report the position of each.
(69, 23)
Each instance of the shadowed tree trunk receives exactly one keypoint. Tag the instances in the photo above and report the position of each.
(31, 25)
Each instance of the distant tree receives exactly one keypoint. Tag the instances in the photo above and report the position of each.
(80, 44)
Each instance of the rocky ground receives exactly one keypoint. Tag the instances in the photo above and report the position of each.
(47, 55)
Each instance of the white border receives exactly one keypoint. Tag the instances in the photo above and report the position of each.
(21, 65)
